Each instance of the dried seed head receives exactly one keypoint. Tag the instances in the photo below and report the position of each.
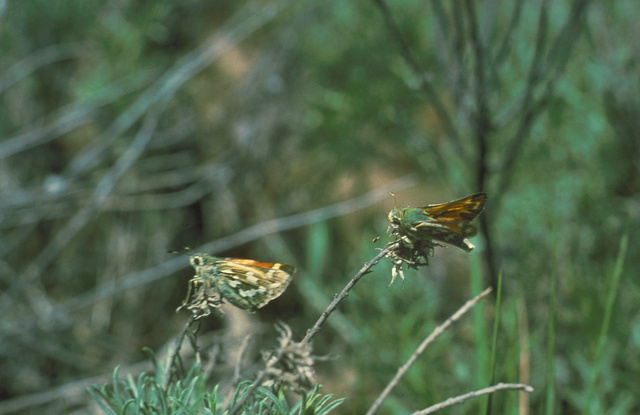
(201, 299)
(291, 364)
(409, 252)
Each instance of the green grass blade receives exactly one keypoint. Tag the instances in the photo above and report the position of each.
(479, 327)
(494, 342)
(604, 330)
(551, 344)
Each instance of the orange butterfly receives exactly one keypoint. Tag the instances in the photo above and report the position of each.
(245, 283)
(445, 222)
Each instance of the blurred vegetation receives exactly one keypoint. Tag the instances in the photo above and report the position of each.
(128, 129)
(146, 395)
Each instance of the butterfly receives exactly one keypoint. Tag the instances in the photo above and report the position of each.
(245, 283)
(445, 222)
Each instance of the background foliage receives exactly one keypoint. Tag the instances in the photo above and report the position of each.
(132, 128)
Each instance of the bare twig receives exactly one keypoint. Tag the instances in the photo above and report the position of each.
(257, 382)
(316, 327)
(306, 218)
(460, 399)
(72, 393)
(104, 187)
(71, 116)
(560, 51)
(241, 25)
(461, 82)
(243, 348)
(535, 69)
(151, 103)
(507, 37)
(424, 83)
(36, 60)
(553, 66)
(244, 236)
(482, 124)
(175, 351)
(481, 119)
(430, 338)
(441, 18)
(529, 111)
(345, 291)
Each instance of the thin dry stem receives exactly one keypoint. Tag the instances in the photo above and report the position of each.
(525, 355)
(175, 351)
(243, 348)
(430, 338)
(459, 399)
(239, 238)
(345, 291)
(423, 78)
(257, 382)
(316, 327)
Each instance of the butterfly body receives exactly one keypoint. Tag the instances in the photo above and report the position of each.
(445, 222)
(245, 283)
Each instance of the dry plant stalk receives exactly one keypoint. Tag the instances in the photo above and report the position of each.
(426, 342)
(460, 399)
(276, 357)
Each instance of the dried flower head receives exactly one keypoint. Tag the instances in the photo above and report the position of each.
(291, 364)
(414, 254)
(202, 297)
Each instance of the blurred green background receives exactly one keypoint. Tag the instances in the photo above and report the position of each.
(132, 128)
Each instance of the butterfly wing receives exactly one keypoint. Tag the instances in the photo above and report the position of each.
(249, 284)
(465, 209)
(448, 222)
(447, 232)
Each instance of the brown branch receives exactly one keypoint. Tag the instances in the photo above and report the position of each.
(521, 134)
(553, 66)
(507, 37)
(481, 119)
(482, 127)
(424, 83)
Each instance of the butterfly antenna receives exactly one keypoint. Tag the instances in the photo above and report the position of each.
(183, 251)
(395, 201)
